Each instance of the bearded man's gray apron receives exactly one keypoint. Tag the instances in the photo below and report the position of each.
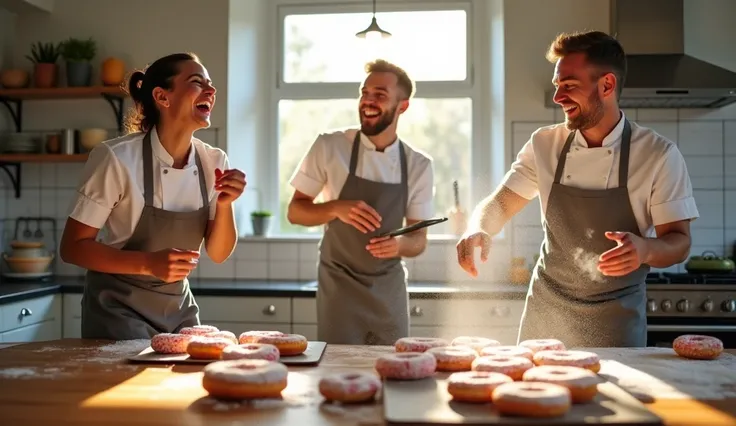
(125, 307)
(361, 299)
(568, 298)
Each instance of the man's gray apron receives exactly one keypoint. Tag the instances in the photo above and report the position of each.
(361, 299)
(568, 298)
(125, 307)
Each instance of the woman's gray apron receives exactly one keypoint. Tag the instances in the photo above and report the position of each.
(125, 307)
(363, 300)
(568, 298)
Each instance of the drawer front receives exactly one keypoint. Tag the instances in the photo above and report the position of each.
(39, 332)
(245, 309)
(466, 312)
(241, 327)
(31, 311)
(72, 306)
(304, 310)
(505, 335)
(72, 328)
(307, 330)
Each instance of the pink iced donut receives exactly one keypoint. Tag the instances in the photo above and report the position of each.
(697, 347)
(199, 330)
(224, 334)
(255, 336)
(453, 358)
(418, 344)
(251, 351)
(519, 351)
(512, 366)
(476, 343)
(406, 365)
(170, 343)
(582, 359)
(532, 399)
(537, 345)
(349, 387)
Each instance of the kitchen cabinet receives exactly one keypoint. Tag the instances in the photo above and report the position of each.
(31, 320)
(72, 307)
(240, 314)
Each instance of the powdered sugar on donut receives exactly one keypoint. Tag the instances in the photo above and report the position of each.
(476, 343)
(270, 337)
(264, 351)
(254, 371)
(418, 344)
(349, 383)
(515, 351)
(212, 342)
(537, 345)
(223, 334)
(697, 346)
(199, 330)
(512, 366)
(562, 375)
(478, 378)
(546, 394)
(572, 358)
(408, 365)
(453, 353)
(170, 343)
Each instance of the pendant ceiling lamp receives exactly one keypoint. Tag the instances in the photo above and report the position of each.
(373, 31)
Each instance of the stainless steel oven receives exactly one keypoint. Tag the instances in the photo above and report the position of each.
(691, 304)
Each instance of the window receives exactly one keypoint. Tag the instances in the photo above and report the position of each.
(321, 67)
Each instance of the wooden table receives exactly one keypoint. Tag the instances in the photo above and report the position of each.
(85, 382)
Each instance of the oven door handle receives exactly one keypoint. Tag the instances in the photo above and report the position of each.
(686, 328)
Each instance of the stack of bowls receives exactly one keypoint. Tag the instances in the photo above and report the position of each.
(28, 257)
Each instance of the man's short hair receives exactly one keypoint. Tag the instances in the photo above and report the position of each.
(404, 82)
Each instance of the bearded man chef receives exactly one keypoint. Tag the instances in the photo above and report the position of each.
(616, 200)
(370, 181)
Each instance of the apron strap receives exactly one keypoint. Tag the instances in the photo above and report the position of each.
(354, 153)
(404, 173)
(147, 170)
(563, 157)
(623, 167)
(202, 182)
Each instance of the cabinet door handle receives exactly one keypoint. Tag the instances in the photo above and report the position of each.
(25, 312)
(416, 311)
(270, 310)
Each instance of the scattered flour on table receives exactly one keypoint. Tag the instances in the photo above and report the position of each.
(288, 400)
(358, 413)
(115, 352)
(32, 373)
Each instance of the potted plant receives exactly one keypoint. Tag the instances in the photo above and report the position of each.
(44, 57)
(78, 54)
(261, 222)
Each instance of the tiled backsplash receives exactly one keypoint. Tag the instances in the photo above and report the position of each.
(708, 143)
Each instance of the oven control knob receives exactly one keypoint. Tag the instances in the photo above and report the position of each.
(707, 306)
(729, 306)
(652, 305)
(666, 305)
(683, 305)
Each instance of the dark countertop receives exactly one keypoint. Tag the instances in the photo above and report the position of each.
(11, 291)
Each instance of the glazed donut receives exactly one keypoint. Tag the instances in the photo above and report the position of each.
(406, 365)
(514, 351)
(418, 344)
(476, 343)
(199, 330)
(697, 347)
(288, 344)
(512, 366)
(170, 343)
(225, 334)
(245, 379)
(581, 382)
(537, 345)
(532, 399)
(453, 358)
(475, 386)
(202, 347)
(251, 351)
(349, 387)
(582, 359)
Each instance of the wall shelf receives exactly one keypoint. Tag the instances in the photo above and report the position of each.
(13, 99)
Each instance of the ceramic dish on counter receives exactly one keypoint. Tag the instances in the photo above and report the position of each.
(27, 260)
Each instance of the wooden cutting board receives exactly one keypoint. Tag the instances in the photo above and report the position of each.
(426, 402)
(658, 373)
(311, 356)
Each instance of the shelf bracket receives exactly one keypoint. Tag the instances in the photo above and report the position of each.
(14, 177)
(16, 113)
(116, 102)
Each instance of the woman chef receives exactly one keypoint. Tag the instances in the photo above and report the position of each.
(159, 192)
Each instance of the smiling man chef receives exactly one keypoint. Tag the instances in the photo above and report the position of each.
(616, 200)
(370, 182)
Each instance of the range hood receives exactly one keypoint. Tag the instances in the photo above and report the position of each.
(660, 72)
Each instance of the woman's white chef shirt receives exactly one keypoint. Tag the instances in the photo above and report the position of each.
(111, 188)
(659, 185)
(325, 167)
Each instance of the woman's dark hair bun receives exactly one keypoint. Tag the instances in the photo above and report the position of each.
(134, 85)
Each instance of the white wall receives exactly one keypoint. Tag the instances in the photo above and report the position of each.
(710, 32)
(234, 40)
(7, 28)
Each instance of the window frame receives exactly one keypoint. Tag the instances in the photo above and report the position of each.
(472, 87)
